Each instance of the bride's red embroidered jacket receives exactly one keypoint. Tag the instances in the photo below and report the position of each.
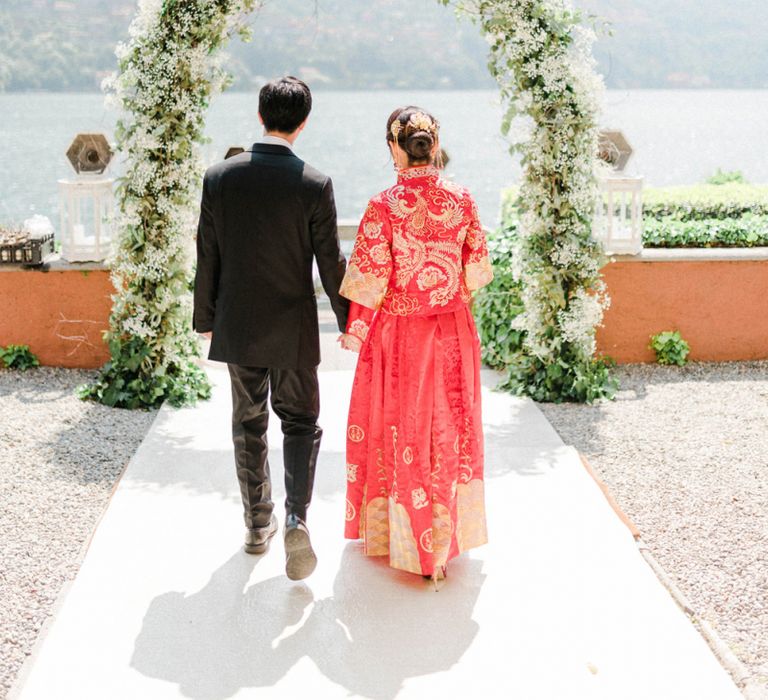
(420, 249)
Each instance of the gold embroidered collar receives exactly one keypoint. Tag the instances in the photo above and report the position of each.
(417, 171)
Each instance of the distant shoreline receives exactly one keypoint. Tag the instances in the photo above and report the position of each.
(320, 88)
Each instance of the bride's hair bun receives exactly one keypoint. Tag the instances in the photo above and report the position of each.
(416, 131)
(419, 144)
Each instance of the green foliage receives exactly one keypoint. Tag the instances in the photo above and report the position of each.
(18, 357)
(747, 231)
(696, 202)
(722, 177)
(132, 380)
(568, 377)
(497, 304)
(670, 348)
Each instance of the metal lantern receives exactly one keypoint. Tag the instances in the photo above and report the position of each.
(618, 222)
(87, 201)
(233, 151)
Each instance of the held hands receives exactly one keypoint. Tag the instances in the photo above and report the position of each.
(350, 342)
(207, 335)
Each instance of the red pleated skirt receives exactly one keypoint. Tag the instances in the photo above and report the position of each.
(415, 489)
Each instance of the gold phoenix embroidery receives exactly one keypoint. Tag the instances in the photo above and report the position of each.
(424, 232)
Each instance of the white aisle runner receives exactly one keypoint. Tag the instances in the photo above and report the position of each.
(559, 605)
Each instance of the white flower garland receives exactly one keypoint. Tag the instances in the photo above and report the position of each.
(541, 57)
(168, 73)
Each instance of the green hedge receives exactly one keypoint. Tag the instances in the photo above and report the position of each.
(685, 203)
(744, 232)
(697, 216)
(701, 202)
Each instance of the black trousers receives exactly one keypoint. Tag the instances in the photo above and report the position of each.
(295, 398)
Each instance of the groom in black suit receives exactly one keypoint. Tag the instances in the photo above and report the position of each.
(265, 215)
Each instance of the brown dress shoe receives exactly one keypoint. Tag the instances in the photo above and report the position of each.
(257, 539)
(300, 559)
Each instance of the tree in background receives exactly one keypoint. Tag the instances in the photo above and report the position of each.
(66, 45)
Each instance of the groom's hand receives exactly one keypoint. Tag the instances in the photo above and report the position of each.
(207, 335)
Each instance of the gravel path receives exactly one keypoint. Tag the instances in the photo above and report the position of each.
(685, 453)
(59, 459)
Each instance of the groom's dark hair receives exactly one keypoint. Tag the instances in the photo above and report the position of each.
(284, 104)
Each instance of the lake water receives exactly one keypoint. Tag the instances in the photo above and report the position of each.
(679, 137)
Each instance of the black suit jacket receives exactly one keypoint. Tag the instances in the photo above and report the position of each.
(264, 215)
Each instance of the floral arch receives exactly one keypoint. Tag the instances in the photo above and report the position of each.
(540, 55)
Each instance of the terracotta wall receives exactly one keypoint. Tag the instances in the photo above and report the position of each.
(60, 314)
(720, 307)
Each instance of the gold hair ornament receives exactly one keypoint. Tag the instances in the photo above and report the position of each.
(418, 121)
(421, 122)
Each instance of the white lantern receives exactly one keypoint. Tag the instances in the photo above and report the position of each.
(87, 201)
(618, 222)
(87, 207)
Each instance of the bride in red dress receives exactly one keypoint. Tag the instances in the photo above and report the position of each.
(414, 437)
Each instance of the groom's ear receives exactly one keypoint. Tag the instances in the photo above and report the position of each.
(301, 126)
(261, 119)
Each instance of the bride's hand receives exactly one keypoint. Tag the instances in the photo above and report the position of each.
(350, 342)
